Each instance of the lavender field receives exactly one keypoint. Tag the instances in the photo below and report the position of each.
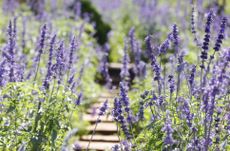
(119, 75)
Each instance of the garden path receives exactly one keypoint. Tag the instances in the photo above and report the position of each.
(106, 132)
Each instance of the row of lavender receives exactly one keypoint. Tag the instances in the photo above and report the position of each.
(41, 88)
(188, 105)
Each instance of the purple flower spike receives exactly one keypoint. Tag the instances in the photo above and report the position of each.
(115, 148)
(49, 73)
(104, 108)
(10, 55)
(168, 140)
(175, 38)
(41, 46)
(41, 42)
(124, 127)
(148, 45)
(193, 27)
(10, 5)
(192, 76)
(79, 99)
(171, 83)
(132, 40)
(123, 96)
(71, 54)
(125, 70)
(164, 47)
(140, 113)
(104, 66)
(220, 35)
(204, 54)
(2, 73)
(76, 147)
(117, 110)
(60, 65)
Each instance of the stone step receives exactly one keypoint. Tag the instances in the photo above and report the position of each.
(98, 105)
(103, 128)
(107, 95)
(95, 110)
(96, 145)
(93, 119)
(101, 138)
(113, 92)
(114, 72)
(92, 111)
(114, 65)
(102, 100)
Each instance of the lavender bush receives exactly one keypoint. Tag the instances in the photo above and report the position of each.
(41, 89)
(183, 108)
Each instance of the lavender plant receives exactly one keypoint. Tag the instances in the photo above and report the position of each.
(37, 111)
(187, 116)
(103, 68)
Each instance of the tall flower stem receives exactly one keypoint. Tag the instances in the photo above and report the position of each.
(52, 91)
(208, 69)
(94, 131)
(40, 51)
(36, 72)
(178, 84)
(118, 135)
(164, 77)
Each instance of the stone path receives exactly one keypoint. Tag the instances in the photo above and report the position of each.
(106, 133)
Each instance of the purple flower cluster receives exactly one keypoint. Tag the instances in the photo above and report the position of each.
(168, 140)
(117, 110)
(156, 68)
(196, 110)
(164, 46)
(104, 66)
(49, 64)
(140, 113)
(79, 99)
(204, 53)
(193, 27)
(11, 50)
(60, 66)
(185, 110)
(103, 108)
(175, 38)
(140, 66)
(71, 54)
(41, 45)
(123, 96)
(9, 5)
(124, 74)
(119, 117)
(220, 35)
(149, 50)
(171, 83)
(192, 76)
(132, 39)
(122, 109)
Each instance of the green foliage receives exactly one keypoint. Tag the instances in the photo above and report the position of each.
(33, 118)
(37, 119)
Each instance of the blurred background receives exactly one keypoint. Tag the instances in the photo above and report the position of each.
(112, 19)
